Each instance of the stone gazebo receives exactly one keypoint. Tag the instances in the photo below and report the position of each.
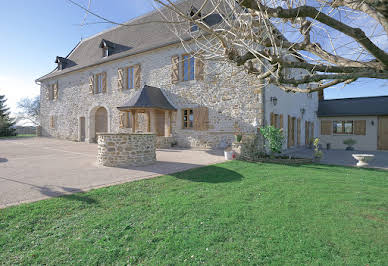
(156, 113)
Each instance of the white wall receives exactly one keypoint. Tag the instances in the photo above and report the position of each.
(291, 104)
(367, 142)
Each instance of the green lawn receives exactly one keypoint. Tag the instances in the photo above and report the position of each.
(231, 213)
(19, 136)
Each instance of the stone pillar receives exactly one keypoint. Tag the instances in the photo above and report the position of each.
(133, 122)
(167, 123)
(153, 121)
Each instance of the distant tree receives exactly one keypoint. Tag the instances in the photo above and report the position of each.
(6, 122)
(30, 108)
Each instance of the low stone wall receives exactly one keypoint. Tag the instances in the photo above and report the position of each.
(164, 142)
(126, 149)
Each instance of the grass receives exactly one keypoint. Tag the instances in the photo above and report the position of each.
(18, 136)
(231, 213)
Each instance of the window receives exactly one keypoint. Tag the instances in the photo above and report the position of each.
(99, 82)
(343, 127)
(188, 118)
(105, 52)
(188, 67)
(129, 120)
(51, 92)
(130, 72)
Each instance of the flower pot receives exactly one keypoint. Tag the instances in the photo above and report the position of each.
(228, 155)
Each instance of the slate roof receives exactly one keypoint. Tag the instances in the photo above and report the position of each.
(354, 106)
(148, 97)
(135, 36)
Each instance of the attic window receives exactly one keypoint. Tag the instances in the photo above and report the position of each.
(107, 48)
(194, 14)
(61, 62)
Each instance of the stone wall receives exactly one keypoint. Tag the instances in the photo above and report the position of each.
(125, 149)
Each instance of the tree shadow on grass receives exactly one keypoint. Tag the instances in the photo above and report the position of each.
(209, 174)
(3, 160)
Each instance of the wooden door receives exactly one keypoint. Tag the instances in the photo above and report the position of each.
(383, 133)
(82, 129)
(101, 119)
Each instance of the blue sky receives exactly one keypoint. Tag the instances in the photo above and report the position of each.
(34, 32)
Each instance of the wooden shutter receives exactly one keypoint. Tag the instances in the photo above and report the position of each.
(122, 115)
(281, 121)
(326, 127)
(137, 76)
(91, 84)
(47, 93)
(199, 69)
(104, 82)
(55, 88)
(360, 127)
(298, 131)
(289, 132)
(175, 69)
(120, 79)
(52, 124)
(312, 132)
(306, 132)
(201, 118)
(272, 119)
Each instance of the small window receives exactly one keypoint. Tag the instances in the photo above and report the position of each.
(105, 52)
(188, 118)
(51, 92)
(188, 67)
(129, 119)
(343, 127)
(130, 71)
(99, 83)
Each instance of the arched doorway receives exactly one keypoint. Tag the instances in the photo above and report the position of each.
(101, 121)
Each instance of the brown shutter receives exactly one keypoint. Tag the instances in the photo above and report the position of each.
(197, 118)
(289, 132)
(306, 132)
(201, 118)
(175, 69)
(52, 124)
(272, 119)
(122, 114)
(91, 84)
(312, 132)
(47, 93)
(137, 76)
(55, 91)
(326, 127)
(104, 82)
(360, 127)
(199, 69)
(120, 79)
(298, 131)
(281, 121)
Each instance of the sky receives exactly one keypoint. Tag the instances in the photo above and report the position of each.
(34, 32)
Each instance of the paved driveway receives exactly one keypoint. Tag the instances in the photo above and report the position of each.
(32, 169)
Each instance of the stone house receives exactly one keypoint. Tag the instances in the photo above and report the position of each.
(101, 84)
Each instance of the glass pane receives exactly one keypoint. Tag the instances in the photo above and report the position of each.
(191, 111)
(185, 118)
(185, 68)
(185, 112)
(185, 124)
(130, 78)
(349, 127)
(192, 68)
(191, 124)
(191, 117)
(99, 83)
(338, 127)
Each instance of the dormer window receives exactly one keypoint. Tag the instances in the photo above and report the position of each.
(61, 62)
(107, 48)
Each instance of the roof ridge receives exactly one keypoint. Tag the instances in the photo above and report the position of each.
(352, 98)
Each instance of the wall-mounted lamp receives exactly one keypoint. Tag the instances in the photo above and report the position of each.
(274, 100)
(302, 111)
(372, 123)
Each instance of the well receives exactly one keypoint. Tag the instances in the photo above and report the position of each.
(126, 149)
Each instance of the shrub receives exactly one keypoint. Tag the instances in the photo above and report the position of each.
(350, 142)
(317, 153)
(274, 138)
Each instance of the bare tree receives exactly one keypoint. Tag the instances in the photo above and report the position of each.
(30, 109)
(298, 45)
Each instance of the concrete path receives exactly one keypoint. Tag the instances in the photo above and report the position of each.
(32, 169)
(343, 157)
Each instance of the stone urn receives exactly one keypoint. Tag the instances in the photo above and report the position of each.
(363, 159)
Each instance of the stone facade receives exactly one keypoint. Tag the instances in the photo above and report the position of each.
(231, 96)
(124, 149)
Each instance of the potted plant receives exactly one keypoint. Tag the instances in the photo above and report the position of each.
(274, 139)
(349, 143)
(317, 152)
